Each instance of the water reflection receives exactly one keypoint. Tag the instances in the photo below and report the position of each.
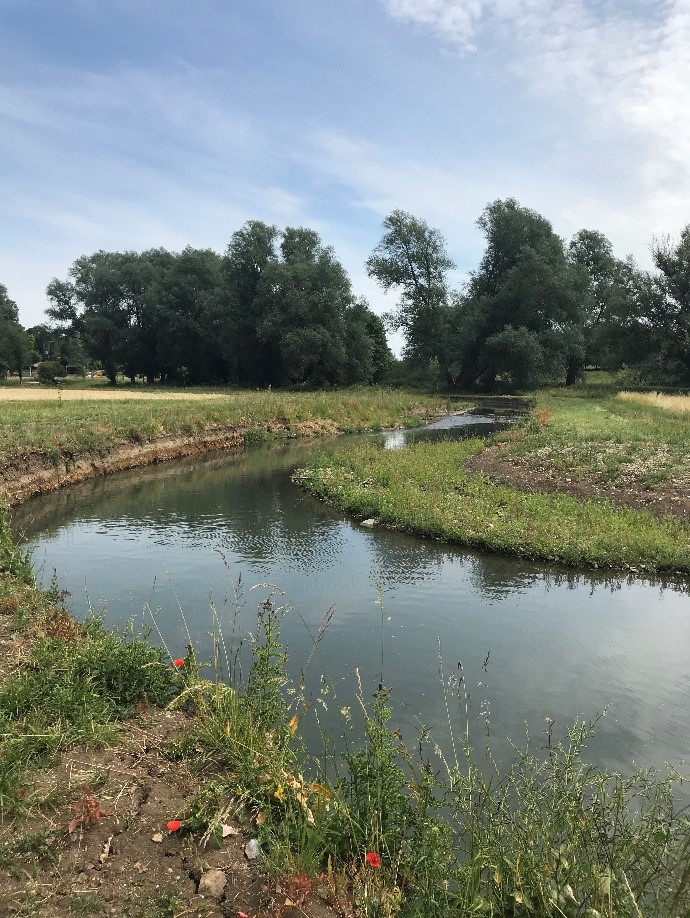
(459, 426)
(562, 644)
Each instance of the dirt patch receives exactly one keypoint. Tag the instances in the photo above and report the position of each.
(525, 473)
(122, 859)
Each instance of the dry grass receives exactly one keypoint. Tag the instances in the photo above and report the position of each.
(45, 394)
(680, 404)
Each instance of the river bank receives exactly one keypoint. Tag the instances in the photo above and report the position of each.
(50, 439)
(213, 759)
(597, 482)
(120, 781)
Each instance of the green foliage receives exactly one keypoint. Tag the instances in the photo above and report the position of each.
(412, 258)
(49, 371)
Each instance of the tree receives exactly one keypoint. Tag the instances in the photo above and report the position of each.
(649, 332)
(606, 289)
(301, 307)
(16, 347)
(412, 258)
(8, 308)
(251, 250)
(527, 292)
(97, 303)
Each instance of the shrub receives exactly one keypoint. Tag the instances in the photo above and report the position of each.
(49, 371)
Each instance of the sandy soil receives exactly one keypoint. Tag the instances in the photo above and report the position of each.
(34, 393)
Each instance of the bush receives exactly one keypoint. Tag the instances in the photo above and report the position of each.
(49, 370)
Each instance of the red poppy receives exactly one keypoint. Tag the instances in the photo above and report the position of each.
(178, 662)
(372, 859)
(174, 825)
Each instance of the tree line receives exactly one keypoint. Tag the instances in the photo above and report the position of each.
(277, 308)
(537, 310)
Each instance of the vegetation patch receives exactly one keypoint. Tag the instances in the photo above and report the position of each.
(72, 428)
(678, 404)
(581, 481)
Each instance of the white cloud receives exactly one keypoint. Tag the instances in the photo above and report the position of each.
(454, 20)
(619, 74)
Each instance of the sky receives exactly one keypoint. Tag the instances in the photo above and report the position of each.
(133, 124)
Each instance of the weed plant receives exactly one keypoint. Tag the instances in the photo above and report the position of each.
(385, 830)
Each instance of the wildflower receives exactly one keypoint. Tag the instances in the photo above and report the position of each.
(279, 793)
(372, 859)
(178, 662)
(174, 825)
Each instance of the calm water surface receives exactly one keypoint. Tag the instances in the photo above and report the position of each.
(560, 644)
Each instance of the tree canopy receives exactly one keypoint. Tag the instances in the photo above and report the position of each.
(412, 258)
(276, 309)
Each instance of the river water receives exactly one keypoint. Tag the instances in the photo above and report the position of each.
(165, 545)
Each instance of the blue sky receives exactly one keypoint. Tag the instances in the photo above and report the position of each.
(130, 124)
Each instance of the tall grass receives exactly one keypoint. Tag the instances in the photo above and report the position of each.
(679, 404)
(391, 829)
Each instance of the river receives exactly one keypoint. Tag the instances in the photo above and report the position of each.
(165, 545)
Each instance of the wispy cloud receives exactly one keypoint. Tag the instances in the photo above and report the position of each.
(619, 71)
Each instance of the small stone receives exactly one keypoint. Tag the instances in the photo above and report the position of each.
(212, 883)
(252, 849)
(157, 838)
(82, 878)
(368, 523)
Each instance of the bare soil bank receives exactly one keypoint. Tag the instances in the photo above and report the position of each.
(525, 473)
(35, 473)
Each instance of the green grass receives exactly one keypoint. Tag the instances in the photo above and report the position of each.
(61, 428)
(424, 488)
(611, 440)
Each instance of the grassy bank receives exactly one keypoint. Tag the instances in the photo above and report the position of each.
(56, 427)
(390, 828)
(630, 440)
(599, 446)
